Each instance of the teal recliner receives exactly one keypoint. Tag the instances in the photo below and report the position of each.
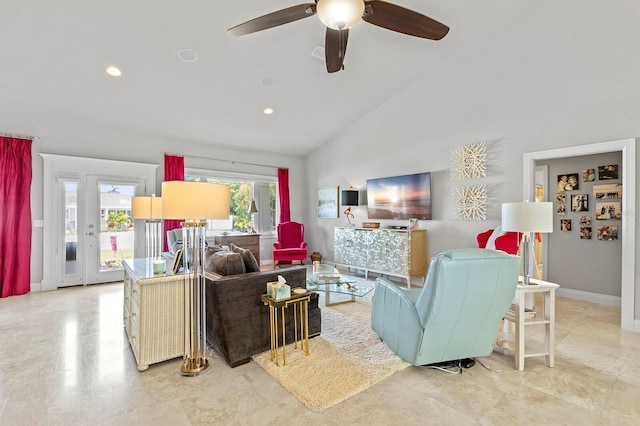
(456, 314)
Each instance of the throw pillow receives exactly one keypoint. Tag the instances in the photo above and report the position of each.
(250, 262)
(177, 245)
(225, 263)
(214, 249)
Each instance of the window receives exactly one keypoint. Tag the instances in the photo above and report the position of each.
(262, 189)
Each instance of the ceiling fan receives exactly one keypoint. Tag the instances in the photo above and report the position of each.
(340, 15)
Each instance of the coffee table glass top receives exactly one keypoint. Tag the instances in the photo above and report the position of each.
(325, 277)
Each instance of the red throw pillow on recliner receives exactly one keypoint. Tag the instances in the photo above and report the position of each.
(509, 242)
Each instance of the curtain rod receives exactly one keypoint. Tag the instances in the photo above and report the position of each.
(15, 135)
(226, 161)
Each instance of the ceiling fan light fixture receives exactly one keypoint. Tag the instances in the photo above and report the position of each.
(340, 14)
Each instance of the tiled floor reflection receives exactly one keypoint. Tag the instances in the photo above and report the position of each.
(65, 360)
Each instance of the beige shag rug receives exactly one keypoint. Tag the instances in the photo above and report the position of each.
(347, 358)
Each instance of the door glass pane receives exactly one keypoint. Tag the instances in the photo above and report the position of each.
(71, 227)
(116, 225)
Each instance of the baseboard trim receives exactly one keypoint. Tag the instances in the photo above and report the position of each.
(588, 296)
(36, 287)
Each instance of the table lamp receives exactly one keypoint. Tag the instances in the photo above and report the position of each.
(194, 202)
(526, 218)
(150, 210)
(350, 197)
(253, 209)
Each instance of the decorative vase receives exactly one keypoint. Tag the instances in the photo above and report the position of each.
(316, 257)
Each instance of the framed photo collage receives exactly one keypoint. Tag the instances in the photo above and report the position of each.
(591, 202)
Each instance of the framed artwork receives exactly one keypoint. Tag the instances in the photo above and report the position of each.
(580, 203)
(607, 233)
(568, 182)
(560, 210)
(565, 225)
(560, 197)
(177, 262)
(608, 172)
(585, 220)
(328, 202)
(585, 232)
(607, 191)
(608, 210)
(588, 175)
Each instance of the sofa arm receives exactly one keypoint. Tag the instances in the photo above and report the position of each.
(395, 319)
(276, 245)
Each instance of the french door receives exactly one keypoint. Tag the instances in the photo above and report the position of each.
(88, 228)
(99, 232)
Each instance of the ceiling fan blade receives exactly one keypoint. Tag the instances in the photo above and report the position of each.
(335, 47)
(274, 19)
(405, 21)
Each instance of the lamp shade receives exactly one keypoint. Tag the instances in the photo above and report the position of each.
(527, 217)
(253, 208)
(350, 197)
(195, 200)
(149, 208)
(340, 14)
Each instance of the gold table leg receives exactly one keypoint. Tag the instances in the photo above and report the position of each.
(301, 311)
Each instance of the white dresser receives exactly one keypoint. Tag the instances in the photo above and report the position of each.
(153, 313)
(399, 253)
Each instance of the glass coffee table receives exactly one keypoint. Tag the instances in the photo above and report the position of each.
(327, 278)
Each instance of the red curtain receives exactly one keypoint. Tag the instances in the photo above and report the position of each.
(173, 170)
(15, 216)
(283, 192)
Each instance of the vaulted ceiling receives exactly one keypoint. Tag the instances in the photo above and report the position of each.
(53, 56)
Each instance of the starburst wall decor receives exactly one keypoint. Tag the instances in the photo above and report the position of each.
(469, 202)
(469, 161)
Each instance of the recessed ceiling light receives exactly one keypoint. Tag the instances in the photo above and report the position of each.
(268, 110)
(113, 71)
(266, 82)
(187, 55)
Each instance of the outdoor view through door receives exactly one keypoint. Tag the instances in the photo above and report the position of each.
(108, 236)
(116, 226)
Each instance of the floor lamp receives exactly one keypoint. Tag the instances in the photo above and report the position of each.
(150, 210)
(194, 202)
(526, 218)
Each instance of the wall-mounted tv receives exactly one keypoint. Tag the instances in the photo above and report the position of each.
(400, 197)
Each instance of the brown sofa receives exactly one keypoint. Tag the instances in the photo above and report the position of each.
(237, 319)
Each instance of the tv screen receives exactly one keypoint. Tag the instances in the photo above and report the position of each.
(400, 197)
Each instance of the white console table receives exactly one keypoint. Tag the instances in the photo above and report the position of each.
(545, 315)
(153, 312)
(399, 253)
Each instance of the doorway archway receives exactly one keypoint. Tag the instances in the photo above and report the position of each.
(627, 147)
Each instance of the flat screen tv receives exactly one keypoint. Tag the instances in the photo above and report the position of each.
(400, 197)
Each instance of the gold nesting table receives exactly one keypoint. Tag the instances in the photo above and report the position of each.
(300, 304)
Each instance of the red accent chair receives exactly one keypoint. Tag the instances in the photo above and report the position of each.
(290, 246)
(508, 242)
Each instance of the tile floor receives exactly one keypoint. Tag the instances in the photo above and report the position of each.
(65, 360)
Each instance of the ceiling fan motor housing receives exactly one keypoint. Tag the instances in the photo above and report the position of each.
(340, 14)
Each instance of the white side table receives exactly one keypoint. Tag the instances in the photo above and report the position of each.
(545, 314)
